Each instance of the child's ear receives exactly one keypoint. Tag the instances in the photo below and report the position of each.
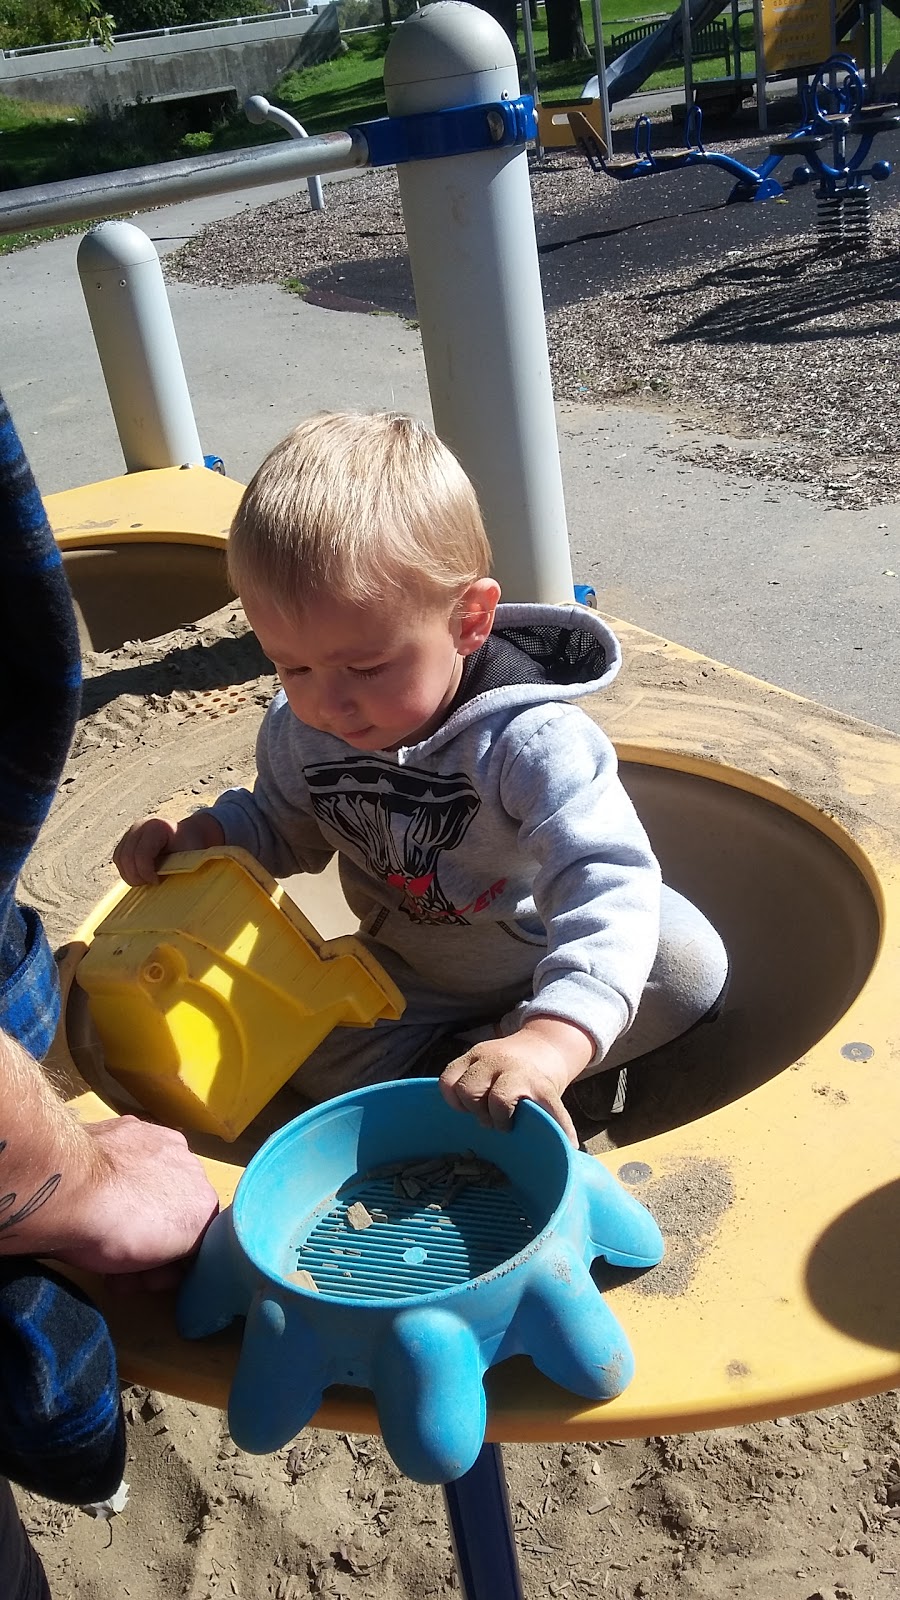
(475, 613)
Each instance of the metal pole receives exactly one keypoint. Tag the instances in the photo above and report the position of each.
(258, 110)
(688, 58)
(878, 49)
(131, 318)
(762, 111)
(602, 88)
(736, 42)
(528, 35)
(481, 1532)
(142, 188)
(473, 252)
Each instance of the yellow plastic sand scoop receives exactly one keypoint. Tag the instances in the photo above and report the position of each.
(209, 989)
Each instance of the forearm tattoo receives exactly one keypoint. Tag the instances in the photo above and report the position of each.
(10, 1217)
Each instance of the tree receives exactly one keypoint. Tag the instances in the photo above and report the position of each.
(506, 12)
(139, 16)
(26, 22)
(565, 31)
(100, 23)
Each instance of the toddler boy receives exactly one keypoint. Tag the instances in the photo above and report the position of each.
(428, 736)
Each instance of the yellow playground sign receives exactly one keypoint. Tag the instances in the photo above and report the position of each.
(796, 33)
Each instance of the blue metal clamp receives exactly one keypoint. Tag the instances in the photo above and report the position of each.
(457, 131)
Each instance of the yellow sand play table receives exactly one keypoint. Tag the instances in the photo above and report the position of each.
(145, 553)
(781, 1291)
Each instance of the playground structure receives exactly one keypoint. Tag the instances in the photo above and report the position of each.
(259, 110)
(838, 112)
(788, 42)
(835, 112)
(773, 1319)
(144, 553)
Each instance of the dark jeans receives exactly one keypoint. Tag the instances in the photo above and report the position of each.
(21, 1575)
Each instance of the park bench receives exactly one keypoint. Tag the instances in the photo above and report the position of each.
(708, 43)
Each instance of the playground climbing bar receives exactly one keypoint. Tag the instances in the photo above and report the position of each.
(600, 61)
(125, 294)
(167, 182)
(259, 110)
(687, 55)
(472, 249)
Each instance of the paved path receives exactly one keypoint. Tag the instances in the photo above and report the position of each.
(753, 574)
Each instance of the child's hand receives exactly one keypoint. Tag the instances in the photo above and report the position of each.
(139, 852)
(491, 1078)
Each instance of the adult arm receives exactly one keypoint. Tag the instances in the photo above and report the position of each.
(40, 662)
(120, 1196)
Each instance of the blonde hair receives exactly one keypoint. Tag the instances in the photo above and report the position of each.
(361, 508)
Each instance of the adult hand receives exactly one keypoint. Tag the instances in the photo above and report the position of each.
(139, 851)
(491, 1079)
(146, 1209)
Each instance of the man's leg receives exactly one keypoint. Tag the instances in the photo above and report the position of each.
(21, 1575)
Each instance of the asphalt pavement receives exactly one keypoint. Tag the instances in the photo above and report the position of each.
(751, 573)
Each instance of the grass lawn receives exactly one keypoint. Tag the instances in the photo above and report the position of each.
(20, 241)
(29, 139)
(351, 85)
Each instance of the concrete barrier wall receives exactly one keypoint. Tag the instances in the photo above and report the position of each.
(248, 59)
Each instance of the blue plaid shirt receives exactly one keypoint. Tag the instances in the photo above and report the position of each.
(40, 683)
(61, 1428)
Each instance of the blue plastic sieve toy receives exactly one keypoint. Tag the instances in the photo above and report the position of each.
(445, 1266)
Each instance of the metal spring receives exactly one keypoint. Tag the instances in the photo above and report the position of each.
(845, 219)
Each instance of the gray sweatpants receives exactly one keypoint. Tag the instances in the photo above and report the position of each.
(686, 980)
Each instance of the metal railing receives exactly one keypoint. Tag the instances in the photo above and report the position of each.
(162, 33)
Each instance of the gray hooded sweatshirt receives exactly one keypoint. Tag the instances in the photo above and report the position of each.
(500, 857)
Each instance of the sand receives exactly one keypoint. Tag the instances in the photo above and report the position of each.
(790, 1510)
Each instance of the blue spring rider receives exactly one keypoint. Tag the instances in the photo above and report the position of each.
(351, 1271)
(834, 113)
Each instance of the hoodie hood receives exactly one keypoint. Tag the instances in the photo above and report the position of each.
(535, 654)
(575, 648)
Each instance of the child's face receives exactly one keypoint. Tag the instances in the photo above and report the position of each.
(371, 676)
